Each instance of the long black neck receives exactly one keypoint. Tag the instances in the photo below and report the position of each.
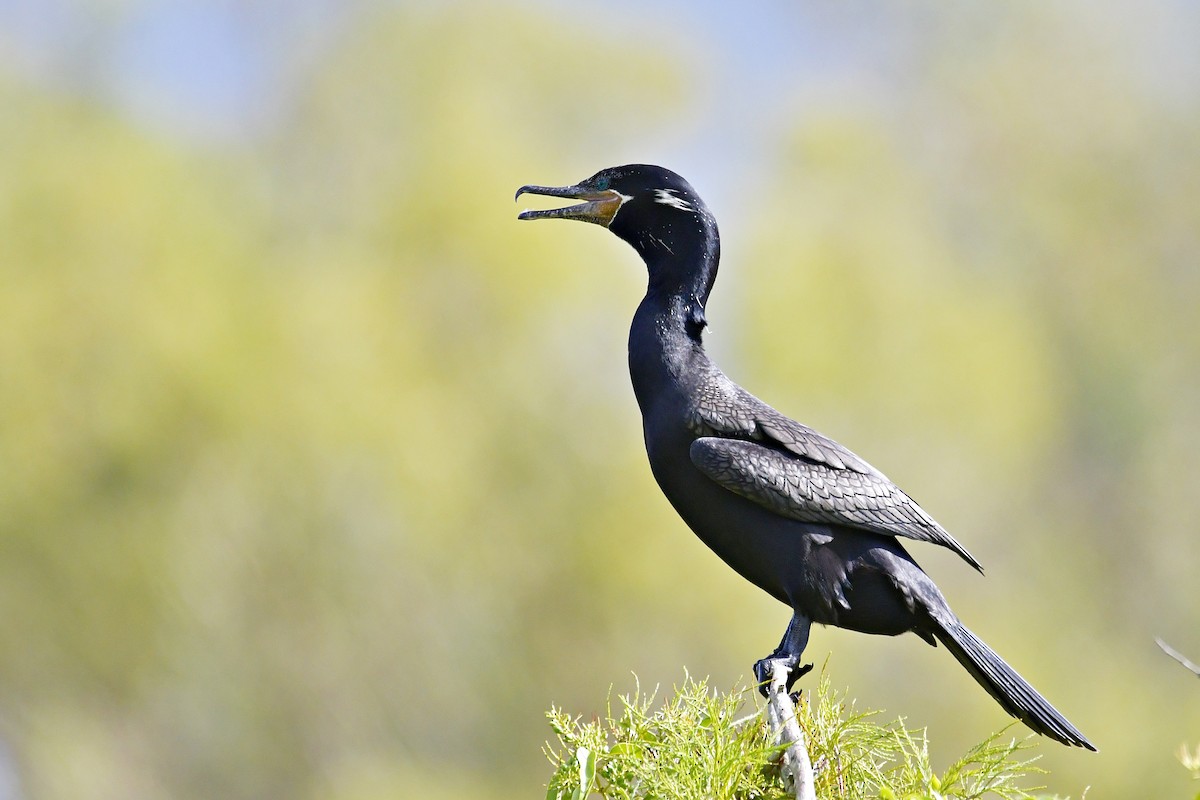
(665, 341)
(681, 255)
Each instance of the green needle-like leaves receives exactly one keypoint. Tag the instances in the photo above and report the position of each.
(700, 743)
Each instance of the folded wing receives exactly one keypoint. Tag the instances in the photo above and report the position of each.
(835, 488)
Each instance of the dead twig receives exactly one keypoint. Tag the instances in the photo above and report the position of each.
(1175, 654)
(781, 715)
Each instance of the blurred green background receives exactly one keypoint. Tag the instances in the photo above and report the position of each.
(320, 476)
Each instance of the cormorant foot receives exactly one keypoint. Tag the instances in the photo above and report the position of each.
(763, 667)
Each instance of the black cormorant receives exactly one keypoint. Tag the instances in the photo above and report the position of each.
(792, 511)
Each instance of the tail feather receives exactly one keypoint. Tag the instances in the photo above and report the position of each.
(1010, 690)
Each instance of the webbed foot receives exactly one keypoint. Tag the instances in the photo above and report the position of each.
(764, 667)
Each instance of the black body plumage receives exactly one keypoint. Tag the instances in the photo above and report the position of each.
(791, 510)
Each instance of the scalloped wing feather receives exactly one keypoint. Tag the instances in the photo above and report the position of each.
(796, 485)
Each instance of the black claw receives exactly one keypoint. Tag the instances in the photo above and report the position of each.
(797, 673)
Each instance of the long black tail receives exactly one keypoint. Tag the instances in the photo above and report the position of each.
(1003, 683)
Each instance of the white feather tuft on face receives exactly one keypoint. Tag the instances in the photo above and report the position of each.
(667, 198)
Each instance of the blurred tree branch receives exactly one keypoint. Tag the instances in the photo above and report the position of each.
(1175, 654)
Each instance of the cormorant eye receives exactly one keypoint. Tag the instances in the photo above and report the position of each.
(602, 183)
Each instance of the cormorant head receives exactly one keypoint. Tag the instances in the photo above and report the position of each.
(652, 208)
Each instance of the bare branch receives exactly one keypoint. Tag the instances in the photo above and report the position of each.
(781, 715)
(1175, 654)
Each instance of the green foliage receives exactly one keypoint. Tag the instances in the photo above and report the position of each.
(703, 744)
(693, 747)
